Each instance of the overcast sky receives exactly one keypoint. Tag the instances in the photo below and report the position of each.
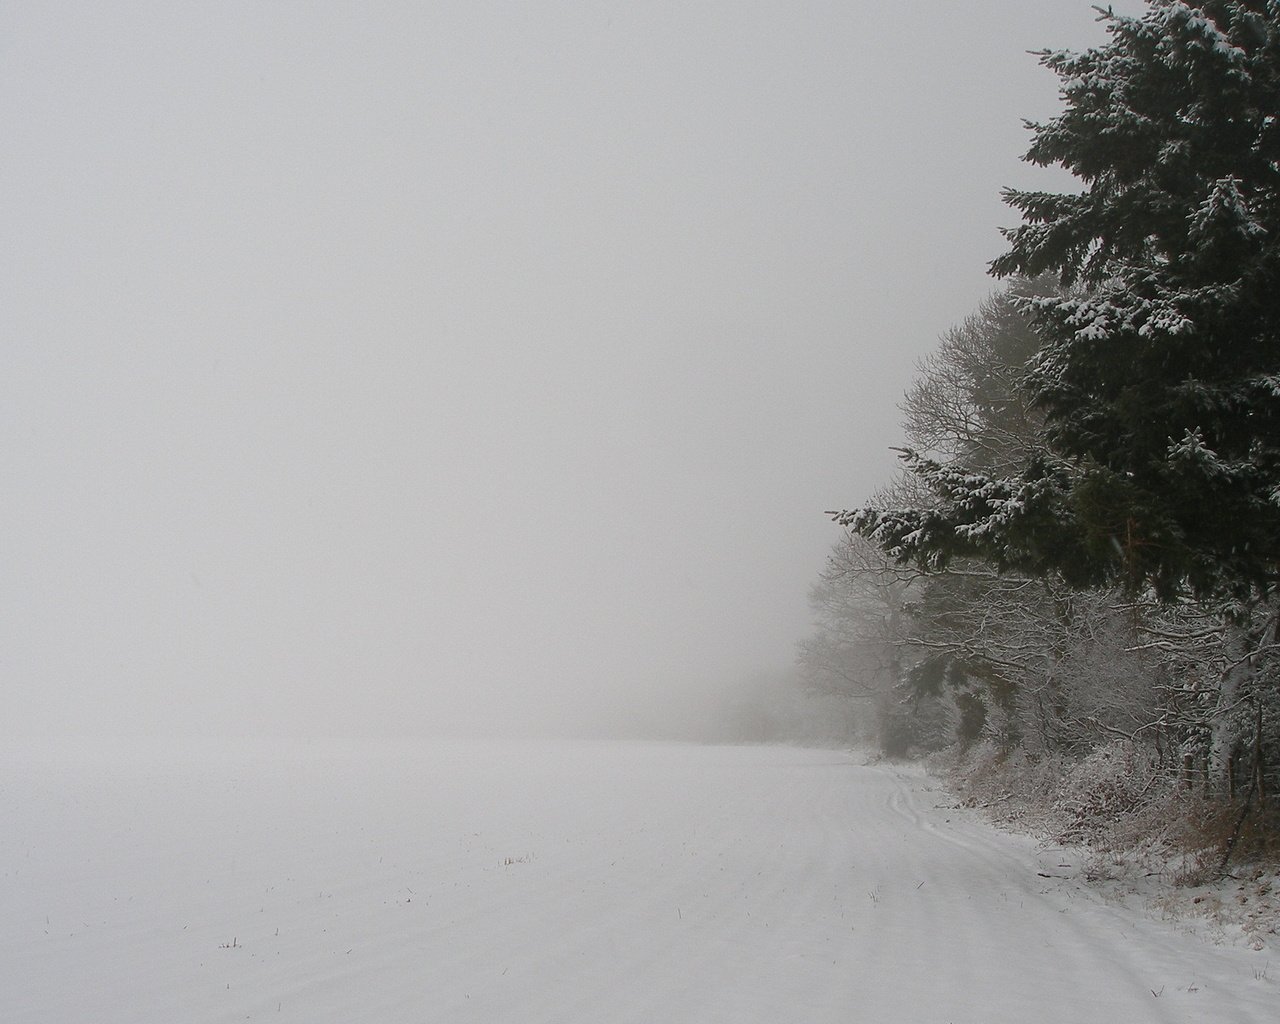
(399, 367)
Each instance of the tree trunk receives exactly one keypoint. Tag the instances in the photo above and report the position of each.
(1225, 733)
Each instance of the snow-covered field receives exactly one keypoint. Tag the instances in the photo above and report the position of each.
(566, 882)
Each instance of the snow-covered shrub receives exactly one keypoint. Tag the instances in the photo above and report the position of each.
(1114, 781)
(980, 773)
(1011, 786)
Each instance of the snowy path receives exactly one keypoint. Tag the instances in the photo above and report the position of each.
(571, 883)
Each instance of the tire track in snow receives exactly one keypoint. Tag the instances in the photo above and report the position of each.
(1010, 947)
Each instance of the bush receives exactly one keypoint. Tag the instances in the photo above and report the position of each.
(1113, 782)
(1011, 786)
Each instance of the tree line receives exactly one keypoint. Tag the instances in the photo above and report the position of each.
(1082, 551)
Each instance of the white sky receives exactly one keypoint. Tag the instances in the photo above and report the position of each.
(392, 367)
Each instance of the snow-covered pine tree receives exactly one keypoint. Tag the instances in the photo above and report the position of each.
(1159, 374)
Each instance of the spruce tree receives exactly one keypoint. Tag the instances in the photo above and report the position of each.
(1159, 367)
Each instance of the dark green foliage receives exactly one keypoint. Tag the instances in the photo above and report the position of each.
(898, 733)
(1158, 375)
(1159, 382)
(927, 677)
(972, 718)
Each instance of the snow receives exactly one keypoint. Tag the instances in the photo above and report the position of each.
(1225, 208)
(559, 882)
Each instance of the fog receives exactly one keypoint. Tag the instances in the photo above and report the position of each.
(396, 369)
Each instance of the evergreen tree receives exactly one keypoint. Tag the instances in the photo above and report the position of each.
(1159, 369)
